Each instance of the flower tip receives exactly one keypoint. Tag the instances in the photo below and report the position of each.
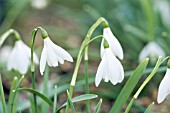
(101, 99)
(15, 78)
(96, 96)
(159, 101)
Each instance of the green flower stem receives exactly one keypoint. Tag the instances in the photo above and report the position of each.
(55, 100)
(5, 35)
(2, 97)
(87, 85)
(13, 87)
(79, 58)
(33, 36)
(15, 93)
(159, 62)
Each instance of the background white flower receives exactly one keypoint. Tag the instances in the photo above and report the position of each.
(164, 87)
(52, 54)
(39, 4)
(113, 43)
(109, 68)
(4, 54)
(20, 57)
(152, 49)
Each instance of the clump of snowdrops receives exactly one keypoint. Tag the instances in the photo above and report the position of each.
(110, 69)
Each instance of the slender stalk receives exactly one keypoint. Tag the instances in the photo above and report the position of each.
(45, 107)
(34, 95)
(79, 58)
(87, 85)
(5, 35)
(55, 100)
(2, 96)
(33, 36)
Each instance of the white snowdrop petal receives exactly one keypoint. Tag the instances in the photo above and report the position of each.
(100, 72)
(164, 87)
(115, 69)
(113, 43)
(19, 58)
(4, 54)
(61, 52)
(51, 56)
(43, 60)
(12, 60)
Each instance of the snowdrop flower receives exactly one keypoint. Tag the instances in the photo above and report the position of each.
(164, 87)
(39, 4)
(110, 67)
(113, 43)
(152, 49)
(19, 58)
(52, 54)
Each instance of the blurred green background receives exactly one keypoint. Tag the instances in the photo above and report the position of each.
(133, 22)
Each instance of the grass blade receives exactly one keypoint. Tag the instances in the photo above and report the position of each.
(129, 86)
(98, 106)
(149, 108)
(80, 98)
(2, 97)
(42, 96)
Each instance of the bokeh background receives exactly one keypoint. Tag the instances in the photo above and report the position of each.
(133, 22)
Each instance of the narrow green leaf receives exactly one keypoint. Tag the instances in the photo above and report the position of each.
(12, 105)
(70, 102)
(42, 96)
(129, 86)
(98, 106)
(44, 106)
(149, 108)
(2, 97)
(80, 98)
(13, 87)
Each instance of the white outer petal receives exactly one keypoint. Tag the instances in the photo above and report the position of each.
(100, 72)
(151, 48)
(164, 87)
(19, 58)
(43, 60)
(113, 43)
(60, 51)
(4, 54)
(39, 4)
(114, 67)
(109, 68)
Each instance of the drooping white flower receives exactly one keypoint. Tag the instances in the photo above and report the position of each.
(39, 4)
(19, 58)
(164, 87)
(52, 54)
(4, 53)
(109, 68)
(113, 43)
(152, 49)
